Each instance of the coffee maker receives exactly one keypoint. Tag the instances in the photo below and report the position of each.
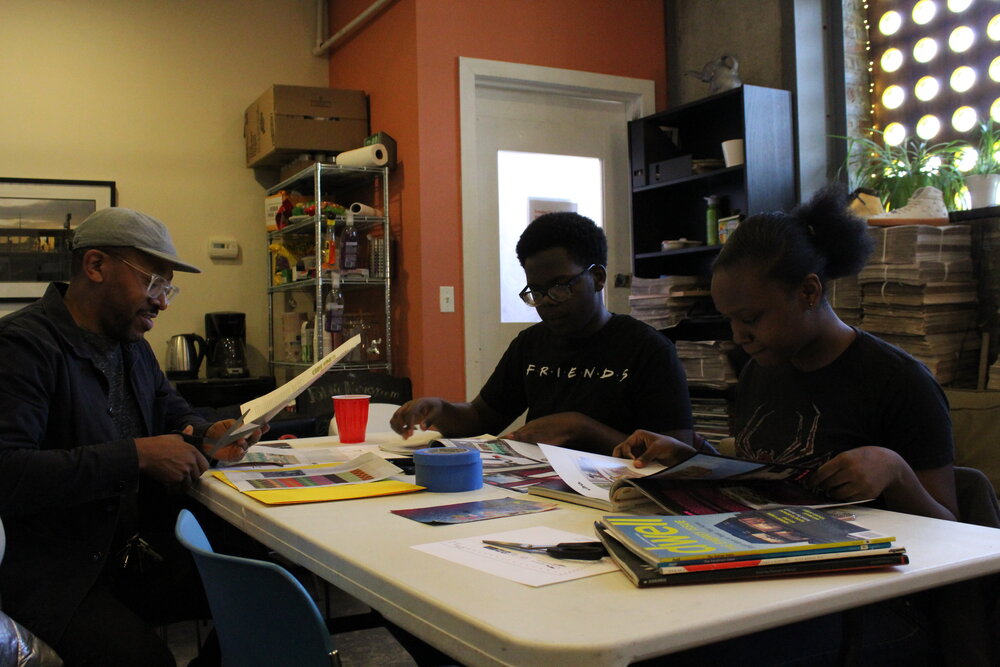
(226, 334)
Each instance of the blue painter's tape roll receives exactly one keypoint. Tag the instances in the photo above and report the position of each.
(448, 469)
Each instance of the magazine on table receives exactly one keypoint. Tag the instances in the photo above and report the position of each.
(587, 479)
(646, 575)
(667, 542)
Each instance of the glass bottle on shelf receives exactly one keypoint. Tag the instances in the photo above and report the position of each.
(307, 342)
(349, 241)
(333, 320)
(329, 245)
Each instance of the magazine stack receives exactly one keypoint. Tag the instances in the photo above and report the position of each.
(706, 362)
(711, 418)
(844, 295)
(656, 550)
(664, 302)
(919, 293)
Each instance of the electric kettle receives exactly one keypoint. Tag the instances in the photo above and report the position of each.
(184, 355)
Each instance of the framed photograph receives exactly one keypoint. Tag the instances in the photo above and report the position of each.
(37, 218)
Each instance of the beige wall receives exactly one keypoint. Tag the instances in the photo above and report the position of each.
(151, 95)
(750, 30)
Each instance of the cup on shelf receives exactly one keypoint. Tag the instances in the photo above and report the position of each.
(350, 411)
(732, 152)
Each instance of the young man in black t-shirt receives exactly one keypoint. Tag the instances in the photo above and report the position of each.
(586, 377)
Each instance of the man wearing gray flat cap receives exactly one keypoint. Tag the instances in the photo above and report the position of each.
(87, 421)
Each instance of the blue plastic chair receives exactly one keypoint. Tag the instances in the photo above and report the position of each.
(262, 614)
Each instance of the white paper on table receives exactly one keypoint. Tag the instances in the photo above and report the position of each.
(262, 409)
(501, 454)
(592, 475)
(262, 456)
(368, 467)
(532, 569)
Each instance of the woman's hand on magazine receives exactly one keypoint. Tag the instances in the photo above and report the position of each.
(648, 447)
(862, 473)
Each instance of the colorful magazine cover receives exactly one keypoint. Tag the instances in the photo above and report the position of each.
(668, 540)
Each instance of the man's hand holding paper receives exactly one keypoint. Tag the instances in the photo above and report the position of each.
(246, 435)
(258, 412)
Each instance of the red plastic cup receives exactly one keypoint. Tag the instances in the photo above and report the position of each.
(351, 413)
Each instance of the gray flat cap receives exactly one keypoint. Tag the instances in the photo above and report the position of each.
(125, 228)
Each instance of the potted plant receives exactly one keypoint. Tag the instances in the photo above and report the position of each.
(983, 178)
(894, 172)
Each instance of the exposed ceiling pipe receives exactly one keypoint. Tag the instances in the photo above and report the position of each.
(323, 21)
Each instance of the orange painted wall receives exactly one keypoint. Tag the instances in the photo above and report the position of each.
(407, 60)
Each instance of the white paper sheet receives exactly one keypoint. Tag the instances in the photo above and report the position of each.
(530, 569)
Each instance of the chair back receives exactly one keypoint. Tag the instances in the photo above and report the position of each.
(977, 499)
(262, 614)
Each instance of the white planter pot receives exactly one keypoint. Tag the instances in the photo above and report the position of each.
(982, 189)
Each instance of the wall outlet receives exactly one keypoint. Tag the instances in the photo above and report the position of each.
(447, 297)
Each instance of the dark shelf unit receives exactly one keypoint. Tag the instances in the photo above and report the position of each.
(668, 199)
(674, 207)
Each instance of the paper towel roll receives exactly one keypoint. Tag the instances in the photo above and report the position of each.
(367, 156)
(357, 208)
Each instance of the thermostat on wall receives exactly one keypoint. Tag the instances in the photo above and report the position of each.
(223, 247)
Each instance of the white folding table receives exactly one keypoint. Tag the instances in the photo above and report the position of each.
(482, 619)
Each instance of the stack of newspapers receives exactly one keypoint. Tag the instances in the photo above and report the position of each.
(706, 362)
(993, 379)
(918, 292)
(710, 415)
(844, 295)
(656, 550)
(664, 302)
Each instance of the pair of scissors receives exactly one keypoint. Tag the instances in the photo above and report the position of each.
(216, 443)
(563, 550)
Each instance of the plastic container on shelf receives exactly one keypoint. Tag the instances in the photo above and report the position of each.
(712, 220)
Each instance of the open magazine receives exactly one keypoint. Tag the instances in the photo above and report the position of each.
(587, 479)
(710, 484)
(703, 484)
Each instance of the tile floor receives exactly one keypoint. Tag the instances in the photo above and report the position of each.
(362, 648)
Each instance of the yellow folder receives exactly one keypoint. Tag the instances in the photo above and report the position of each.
(317, 494)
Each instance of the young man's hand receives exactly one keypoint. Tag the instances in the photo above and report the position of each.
(648, 447)
(421, 412)
(557, 429)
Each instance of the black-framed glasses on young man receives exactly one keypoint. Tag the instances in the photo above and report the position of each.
(158, 285)
(559, 292)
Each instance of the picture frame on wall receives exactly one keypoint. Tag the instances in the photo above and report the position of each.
(37, 219)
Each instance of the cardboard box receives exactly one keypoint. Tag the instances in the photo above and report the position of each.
(288, 120)
(289, 169)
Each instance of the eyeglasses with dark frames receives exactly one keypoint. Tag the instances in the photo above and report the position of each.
(559, 292)
(158, 285)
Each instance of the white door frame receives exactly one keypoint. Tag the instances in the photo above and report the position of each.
(636, 95)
